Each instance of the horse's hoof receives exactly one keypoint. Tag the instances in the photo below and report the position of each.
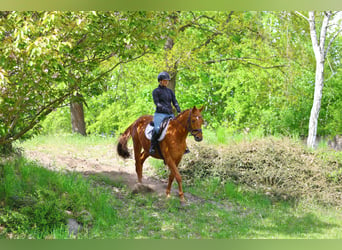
(141, 188)
(168, 196)
(183, 202)
(182, 199)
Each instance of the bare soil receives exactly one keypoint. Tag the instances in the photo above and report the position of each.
(87, 161)
(103, 159)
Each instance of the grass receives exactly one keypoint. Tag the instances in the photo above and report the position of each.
(36, 202)
(71, 142)
(147, 216)
(226, 136)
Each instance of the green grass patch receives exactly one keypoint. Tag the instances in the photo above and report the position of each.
(218, 190)
(37, 202)
(227, 136)
(62, 140)
(34, 200)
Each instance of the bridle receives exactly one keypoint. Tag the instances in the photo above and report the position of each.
(193, 132)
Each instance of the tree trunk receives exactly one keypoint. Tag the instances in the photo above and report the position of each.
(316, 107)
(320, 54)
(77, 115)
(171, 68)
(170, 65)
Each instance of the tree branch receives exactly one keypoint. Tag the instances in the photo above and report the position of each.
(212, 37)
(193, 23)
(300, 14)
(34, 120)
(324, 29)
(245, 60)
(116, 65)
(82, 39)
(331, 41)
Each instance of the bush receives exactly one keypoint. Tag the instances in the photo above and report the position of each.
(47, 212)
(13, 221)
(282, 169)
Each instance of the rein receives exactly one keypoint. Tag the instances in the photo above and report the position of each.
(193, 132)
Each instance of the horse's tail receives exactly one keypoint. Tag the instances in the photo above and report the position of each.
(122, 144)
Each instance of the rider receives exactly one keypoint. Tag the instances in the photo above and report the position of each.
(162, 97)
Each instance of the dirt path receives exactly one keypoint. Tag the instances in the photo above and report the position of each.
(102, 160)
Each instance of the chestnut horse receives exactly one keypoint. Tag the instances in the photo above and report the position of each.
(172, 147)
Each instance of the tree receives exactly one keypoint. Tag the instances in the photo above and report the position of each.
(321, 49)
(46, 57)
(187, 33)
(254, 73)
(77, 114)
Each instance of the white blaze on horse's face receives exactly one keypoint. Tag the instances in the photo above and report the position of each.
(196, 131)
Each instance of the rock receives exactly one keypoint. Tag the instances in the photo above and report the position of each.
(73, 227)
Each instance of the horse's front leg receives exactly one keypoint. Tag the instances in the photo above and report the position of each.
(175, 174)
(169, 184)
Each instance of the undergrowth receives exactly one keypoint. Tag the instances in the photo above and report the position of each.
(281, 168)
(262, 188)
(36, 202)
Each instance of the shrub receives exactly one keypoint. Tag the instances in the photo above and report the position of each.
(283, 169)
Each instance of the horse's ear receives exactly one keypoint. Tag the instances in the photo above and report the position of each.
(200, 109)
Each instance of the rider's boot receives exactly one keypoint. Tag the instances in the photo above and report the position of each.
(154, 142)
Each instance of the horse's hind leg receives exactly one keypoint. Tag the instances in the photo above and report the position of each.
(138, 162)
(143, 157)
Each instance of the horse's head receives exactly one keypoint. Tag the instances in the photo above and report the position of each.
(195, 123)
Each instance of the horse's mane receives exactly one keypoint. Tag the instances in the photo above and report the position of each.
(181, 113)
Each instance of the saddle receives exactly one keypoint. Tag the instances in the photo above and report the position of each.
(162, 131)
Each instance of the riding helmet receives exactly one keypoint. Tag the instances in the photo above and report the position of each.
(164, 76)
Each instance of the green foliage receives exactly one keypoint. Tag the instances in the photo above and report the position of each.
(28, 204)
(331, 116)
(159, 167)
(47, 211)
(47, 56)
(14, 221)
(57, 122)
(128, 96)
(38, 202)
(251, 70)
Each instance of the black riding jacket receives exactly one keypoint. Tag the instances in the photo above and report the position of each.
(162, 97)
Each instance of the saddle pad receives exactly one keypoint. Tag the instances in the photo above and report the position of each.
(149, 131)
